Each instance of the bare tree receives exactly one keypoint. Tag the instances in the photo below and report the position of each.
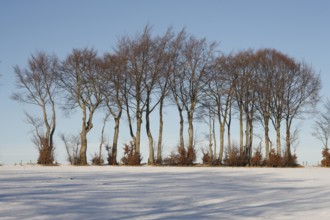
(322, 125)
(245, 96)
(102, 138)
(238, 80)
(190, 79)
(302, 88)
(265, 72)
(36, 85)
(281, 65)
(211, 135)
(273, 69)
(80, 79)
(115, 82)
(220, 94)
(171, 43)
(249, 106)
(151, 82)
(72, 146)
(176, 83)
(138, 54)
(228, 123)
(146, 57)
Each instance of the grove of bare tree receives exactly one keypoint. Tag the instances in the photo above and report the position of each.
(179, 70)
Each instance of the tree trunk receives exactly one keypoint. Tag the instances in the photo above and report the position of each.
(222, 141)
(190, 130)
(102, 135)
(101, 144)
(53, 127)
(214, 140)
(160, 133)
(46, 141)
(83, 139)
(266, 122)
(83, 146)
(228, 122)
(87, 125)
(229, 137)
(130, 125)
(210, 139)
(278, 136)
(247, 129)
(115, 140)
(250, 138)
(181, 128)
(45, 144)
(138, 133)
(241, 134)
(151, 149)
(288, 140)
(150, 139)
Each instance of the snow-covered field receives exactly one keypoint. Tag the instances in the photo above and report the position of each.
(66, 192)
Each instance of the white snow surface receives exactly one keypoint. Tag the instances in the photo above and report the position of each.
(107, 192)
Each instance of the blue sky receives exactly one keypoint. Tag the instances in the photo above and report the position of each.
(299, 28)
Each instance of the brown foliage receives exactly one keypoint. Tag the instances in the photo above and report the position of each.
(46, 153)
(191, 156)
(131, 157)
(256, 160)
(111, 160)
(234, 158)
(182, 157)
(97, 160)
(276, 160)
(289, 161)
(207, 158)
(326, 158)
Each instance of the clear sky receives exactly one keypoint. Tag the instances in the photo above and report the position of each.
(299, 28)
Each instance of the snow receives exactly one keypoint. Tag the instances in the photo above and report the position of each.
(67, 192)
